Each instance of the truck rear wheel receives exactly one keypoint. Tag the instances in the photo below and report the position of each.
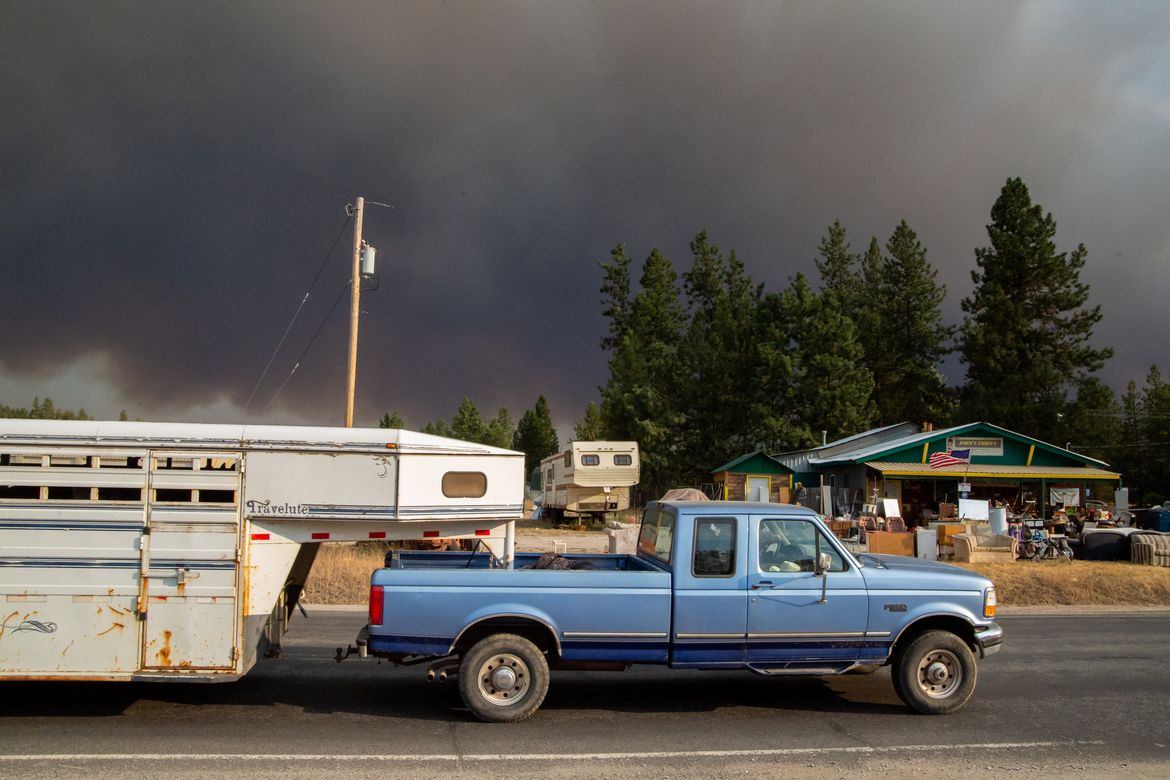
(935, 675)
(503, 678)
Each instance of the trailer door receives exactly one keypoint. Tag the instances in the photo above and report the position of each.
(190, 561)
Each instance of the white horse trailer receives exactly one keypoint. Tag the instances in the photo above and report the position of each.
(589, 478)
(159, 551)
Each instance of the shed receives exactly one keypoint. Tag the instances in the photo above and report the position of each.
(756, 476)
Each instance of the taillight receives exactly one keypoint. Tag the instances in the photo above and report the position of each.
(375, 605)
(988, 602)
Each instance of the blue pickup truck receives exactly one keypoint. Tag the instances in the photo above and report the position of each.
(714, 585)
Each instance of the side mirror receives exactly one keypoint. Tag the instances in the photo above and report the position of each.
(824, 563)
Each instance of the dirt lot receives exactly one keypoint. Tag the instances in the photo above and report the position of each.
(341, 574)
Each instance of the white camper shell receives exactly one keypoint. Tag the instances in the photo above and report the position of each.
(589, 478)
(162, 551)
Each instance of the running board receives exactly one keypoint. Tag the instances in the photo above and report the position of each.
(797, 669)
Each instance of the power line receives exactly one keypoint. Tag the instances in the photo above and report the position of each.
(297, 365)
(297, 314)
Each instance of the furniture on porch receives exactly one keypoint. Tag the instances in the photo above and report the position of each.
(979, 544)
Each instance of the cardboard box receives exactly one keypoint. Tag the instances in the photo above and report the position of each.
(889, 543)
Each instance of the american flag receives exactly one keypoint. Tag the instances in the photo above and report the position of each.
(940, 460)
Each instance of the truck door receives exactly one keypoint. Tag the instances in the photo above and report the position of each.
(189, 561)
(787, 619)
(710, 595)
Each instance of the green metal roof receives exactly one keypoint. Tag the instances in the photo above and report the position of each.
(758, 462)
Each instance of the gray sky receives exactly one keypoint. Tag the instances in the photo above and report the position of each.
(173, 175)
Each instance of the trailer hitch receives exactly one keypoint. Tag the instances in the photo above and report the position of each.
(360, 648)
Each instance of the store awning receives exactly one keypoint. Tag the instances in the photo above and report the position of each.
(990, 471)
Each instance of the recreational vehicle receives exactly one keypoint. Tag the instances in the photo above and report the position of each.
(589, 478)
(159, 551)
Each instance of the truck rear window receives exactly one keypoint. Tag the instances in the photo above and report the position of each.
(656, 536)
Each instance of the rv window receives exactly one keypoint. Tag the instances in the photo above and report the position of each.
(590, 460)
(464, 484)
(622, 460)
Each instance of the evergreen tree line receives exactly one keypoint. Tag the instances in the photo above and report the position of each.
(707, 365)
(45, 410)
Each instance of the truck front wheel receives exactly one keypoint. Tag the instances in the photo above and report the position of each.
(503, 678)
(935, 674)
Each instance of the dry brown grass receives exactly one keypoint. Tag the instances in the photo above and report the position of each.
(341, 575)
(1102, 583)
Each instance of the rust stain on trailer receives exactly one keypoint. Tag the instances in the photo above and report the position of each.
(113, 626)
(164, 655)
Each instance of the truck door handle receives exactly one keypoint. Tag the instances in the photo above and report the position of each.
(762, 584)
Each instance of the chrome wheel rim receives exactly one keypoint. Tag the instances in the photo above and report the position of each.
(503, 679)
(939, 674)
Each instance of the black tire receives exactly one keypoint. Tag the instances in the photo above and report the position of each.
(895, 665)
(935, 675)
(503, 678)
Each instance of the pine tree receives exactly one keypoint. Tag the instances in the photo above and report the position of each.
(588, 428)
(439, 428)
(467, 424)
(837, 266)
(913, 339)
(718, 355)
(392, 420)
(1026, 337)
(1155, 412)
(499, 431)
(1093, 421)
(830, 390)
(615, 296)
(535, 435)
(777, 422)
(639, 402)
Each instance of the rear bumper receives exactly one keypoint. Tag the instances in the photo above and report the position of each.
(989, 639)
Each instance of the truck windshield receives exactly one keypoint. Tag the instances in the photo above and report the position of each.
(656, 535)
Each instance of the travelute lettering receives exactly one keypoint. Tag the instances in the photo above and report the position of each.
(269, 508)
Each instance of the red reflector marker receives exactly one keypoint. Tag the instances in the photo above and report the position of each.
(483, 533)
(430, 534)
(320, 535)
(377, 534)
(260, 537)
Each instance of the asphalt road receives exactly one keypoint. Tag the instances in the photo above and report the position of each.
(1069, 693)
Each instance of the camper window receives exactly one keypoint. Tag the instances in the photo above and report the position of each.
(464, 484)
(590, 460)
(622, 460)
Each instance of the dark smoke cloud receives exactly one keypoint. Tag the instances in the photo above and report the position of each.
(174, 174)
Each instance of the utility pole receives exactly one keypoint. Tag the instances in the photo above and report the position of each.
(354, 298)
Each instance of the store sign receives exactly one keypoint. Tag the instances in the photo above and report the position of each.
(977, 445)
(964, 487)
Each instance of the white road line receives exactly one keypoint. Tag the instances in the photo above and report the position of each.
(778, 752)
